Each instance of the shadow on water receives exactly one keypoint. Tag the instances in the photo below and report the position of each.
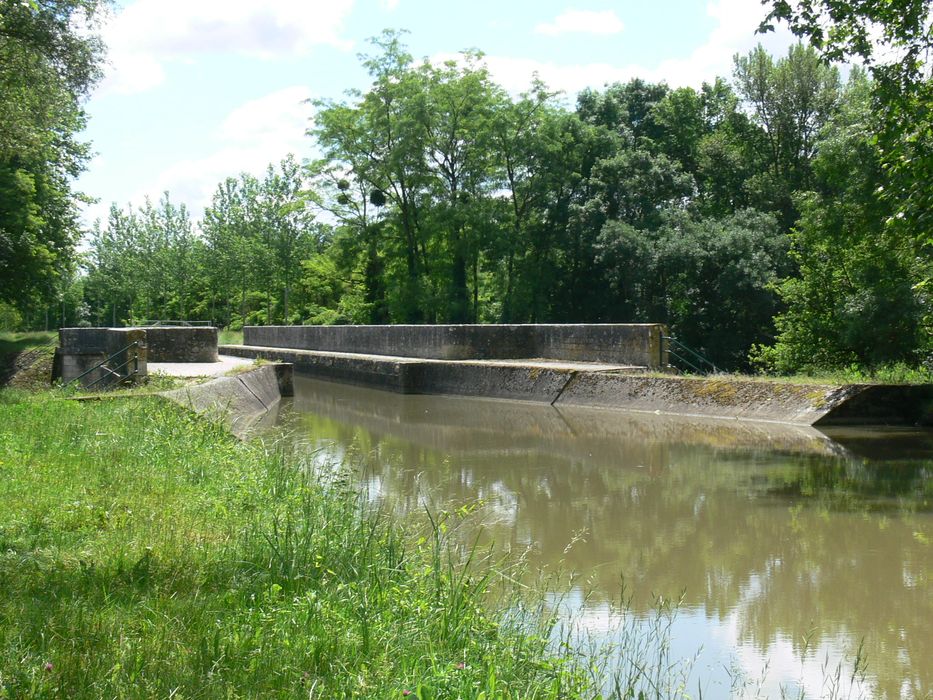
(789, 546)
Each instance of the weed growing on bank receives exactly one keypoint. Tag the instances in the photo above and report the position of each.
(144, 552)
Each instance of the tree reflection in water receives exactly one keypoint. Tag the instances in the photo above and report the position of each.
(783, 542)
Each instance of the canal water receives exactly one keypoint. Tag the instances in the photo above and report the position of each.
(789, 553)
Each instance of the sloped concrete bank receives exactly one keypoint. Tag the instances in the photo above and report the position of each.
(475, 425)
(609, 387)
(521, 380)
(243, 402)
(751, 399)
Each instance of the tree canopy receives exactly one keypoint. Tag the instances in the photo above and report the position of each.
(754, 215)
(49, 61)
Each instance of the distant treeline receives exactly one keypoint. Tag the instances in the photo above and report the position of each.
(750, 215)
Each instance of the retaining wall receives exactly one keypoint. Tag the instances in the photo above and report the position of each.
(710, 397)
(629, 344)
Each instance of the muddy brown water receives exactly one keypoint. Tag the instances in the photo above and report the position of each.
(788, 548)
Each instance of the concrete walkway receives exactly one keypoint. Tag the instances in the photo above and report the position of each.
(224, 364)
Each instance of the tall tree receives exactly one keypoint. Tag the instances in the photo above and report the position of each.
(527, 136)
(894, 40)
(380, 140)
(460, 105)
(48, 63)
(854, 300)
(257, 234)
(790, 99)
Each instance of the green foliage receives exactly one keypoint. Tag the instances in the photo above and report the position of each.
(48, 64)
(872, 30)
(10, 318)
(150, 263)
(894, 40)
(858, 298)
(710, 279)
(764, 213)
(791, 98)
(144, 265)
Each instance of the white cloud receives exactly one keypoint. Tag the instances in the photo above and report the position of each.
(736, 23)
(149, 33)
(734, 32)
(252, 136)
(582, 22)
(515, 74)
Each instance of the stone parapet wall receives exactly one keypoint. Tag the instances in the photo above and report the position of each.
(181, 343)
(81, 349)
(630, 344)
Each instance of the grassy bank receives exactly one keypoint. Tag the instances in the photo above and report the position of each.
(22, 342)
(146, 553)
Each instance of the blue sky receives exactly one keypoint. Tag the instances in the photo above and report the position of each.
(198, 90)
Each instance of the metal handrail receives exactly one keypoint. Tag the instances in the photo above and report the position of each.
(172, 322)
(687, 349)
(115, 372)
(135, 343)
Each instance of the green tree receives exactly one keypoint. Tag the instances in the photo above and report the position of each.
(256, 234)
(460, 107)
(357, 248)
(529, 137)
(380, 140)
(791, 99)
(230, 238)
(711, 280)
(48, 64)
(894, 39)
(106, 288)
(287, 223)
(855, 300)
(145, 264)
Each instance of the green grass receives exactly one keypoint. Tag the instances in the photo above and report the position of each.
(146, 553)
(888, 374)
(20, 342)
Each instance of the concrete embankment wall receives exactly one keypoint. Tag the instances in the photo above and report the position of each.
(460, 424)
(243, 402)
(751, 399)
(629, 344)
(491, 379)
(711, 397)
